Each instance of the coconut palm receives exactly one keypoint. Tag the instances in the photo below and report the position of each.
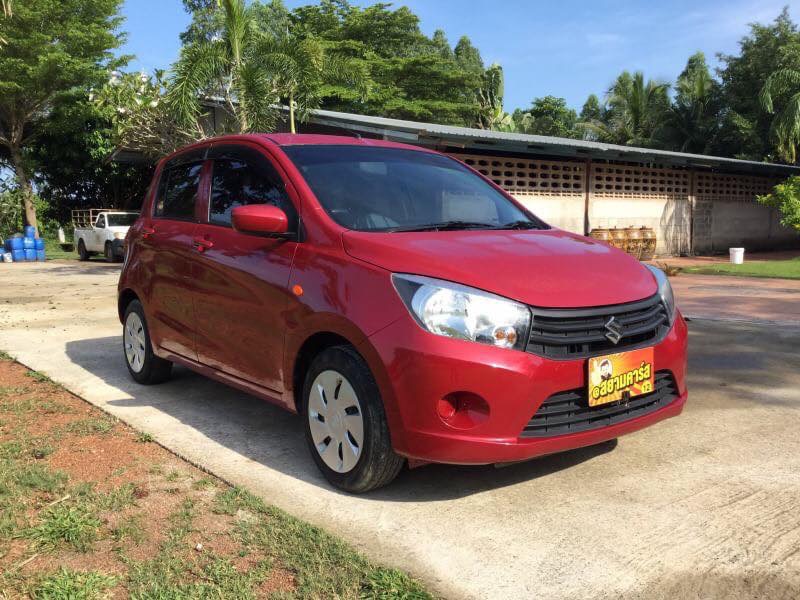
(635, 113)
(301, 70)
(785, 127)
(229, 68)
(693, 119)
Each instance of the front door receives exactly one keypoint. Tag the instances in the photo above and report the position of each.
(167, 253)
(98, 235)
(241, 281)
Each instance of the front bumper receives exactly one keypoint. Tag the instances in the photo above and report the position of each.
(418, 369)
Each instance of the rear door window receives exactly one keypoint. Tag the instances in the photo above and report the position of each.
(242, 176)
(178, 191)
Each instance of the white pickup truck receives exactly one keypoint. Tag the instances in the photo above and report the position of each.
(102, 230)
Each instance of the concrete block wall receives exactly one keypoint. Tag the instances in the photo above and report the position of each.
(690, 211)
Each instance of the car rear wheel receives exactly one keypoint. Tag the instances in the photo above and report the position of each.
(143, 365)
(345, 422)
(83, 254)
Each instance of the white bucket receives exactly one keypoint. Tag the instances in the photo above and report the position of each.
(737, 255)
(7, 257)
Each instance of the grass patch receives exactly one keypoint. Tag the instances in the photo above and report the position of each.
(5, 355)
(117, 499)
(74, 585)
(174, 553)
(39, 377)
(331, 569)
(53, 251)
(128, 528)
(39, 478)
(144, 438)
(76, 526)
(90, 426)
(783, 269)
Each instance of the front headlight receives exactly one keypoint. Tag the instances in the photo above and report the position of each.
(664, 290)
(462, 312)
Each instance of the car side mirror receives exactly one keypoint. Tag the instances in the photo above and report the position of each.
(261, 219)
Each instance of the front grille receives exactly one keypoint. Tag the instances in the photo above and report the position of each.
(569, 412)
(579, 333)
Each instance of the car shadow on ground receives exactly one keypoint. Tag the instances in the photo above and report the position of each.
(274, 437)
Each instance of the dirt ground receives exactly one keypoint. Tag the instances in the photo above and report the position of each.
(706, 505)
(93, 509)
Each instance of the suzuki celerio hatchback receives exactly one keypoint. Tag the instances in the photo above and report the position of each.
(407, 307)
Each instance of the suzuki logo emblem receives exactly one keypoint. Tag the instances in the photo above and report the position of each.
(613, 330)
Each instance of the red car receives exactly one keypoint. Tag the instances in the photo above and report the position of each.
(407, 307)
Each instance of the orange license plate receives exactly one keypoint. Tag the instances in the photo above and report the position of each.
(617, 377)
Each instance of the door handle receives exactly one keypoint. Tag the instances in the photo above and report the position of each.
(147, 232)
(202, 244)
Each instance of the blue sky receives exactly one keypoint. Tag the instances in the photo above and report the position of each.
(567, 48)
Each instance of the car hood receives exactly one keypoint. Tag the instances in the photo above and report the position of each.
(546, 268)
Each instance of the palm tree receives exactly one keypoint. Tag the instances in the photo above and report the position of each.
(785, 127)
(693, 119)
(301, 69)
(227, 67)
(635, 112)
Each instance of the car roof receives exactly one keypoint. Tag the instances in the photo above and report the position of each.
(297, 139)
(318, 139)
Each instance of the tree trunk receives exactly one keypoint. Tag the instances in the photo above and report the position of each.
(28, 208)
(291, 113)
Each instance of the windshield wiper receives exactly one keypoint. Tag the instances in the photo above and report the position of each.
(518, 225)
(443, 226)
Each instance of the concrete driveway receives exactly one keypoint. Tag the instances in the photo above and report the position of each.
(705, 505)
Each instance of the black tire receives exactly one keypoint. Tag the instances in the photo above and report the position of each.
(108, 251)
(153, 369)
(83, 254)
(377, 464)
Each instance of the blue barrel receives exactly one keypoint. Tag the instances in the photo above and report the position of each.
(30, 254)
(40, 255)
(15, 244)
(28, 243)
(18, 255)
(39, 244)
(30, 231)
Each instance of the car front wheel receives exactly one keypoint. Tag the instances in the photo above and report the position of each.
(143, 365)
(345, 422)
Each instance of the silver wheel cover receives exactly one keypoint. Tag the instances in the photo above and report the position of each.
(134, 342)
(336, 421)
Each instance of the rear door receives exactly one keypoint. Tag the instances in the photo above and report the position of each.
(167, 254)
(240, 280)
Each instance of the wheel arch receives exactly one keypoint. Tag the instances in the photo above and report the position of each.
(308, 350)
(126, 296)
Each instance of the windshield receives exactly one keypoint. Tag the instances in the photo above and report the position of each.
(122, 219)
(392, 189)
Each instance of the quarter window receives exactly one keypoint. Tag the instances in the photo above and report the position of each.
(242, 177)
(179, 191)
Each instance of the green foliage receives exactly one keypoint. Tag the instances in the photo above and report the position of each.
(139, 117)
(548, 116)
(746, 126)
(75, 585)
(226, 66)
(300, 68)
(693, 121)
(76, 526)
(53, 47)
(785, 197)
(785, 128)
(410, 75)
(636, 110)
